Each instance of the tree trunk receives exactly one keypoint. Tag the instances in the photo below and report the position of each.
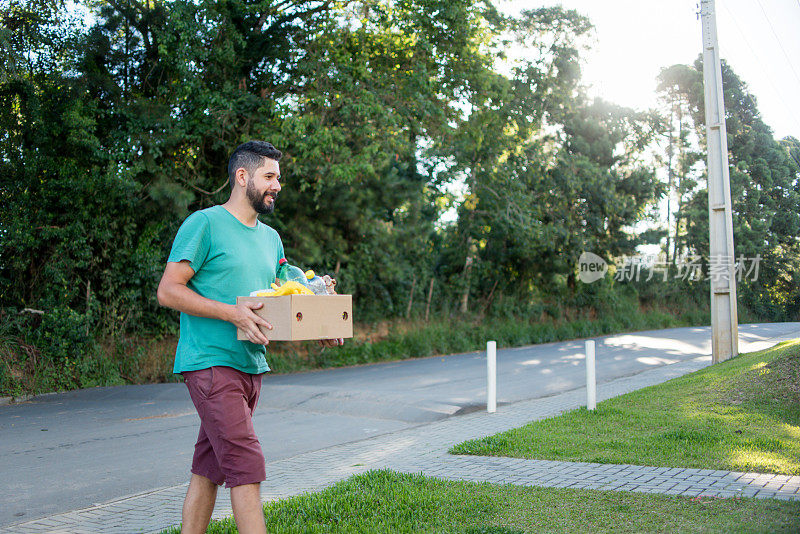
(430, 294)
(467, 269)
(670, 180)
(411, 296)
(681, 175)
(465, 295)
(88, 299)
(490, 297)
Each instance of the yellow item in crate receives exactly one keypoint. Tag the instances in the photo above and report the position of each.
(288, 288)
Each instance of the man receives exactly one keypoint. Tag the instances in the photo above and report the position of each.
(219, 253)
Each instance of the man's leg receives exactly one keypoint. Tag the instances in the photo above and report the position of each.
(248, 512)
(198, 505)
(226, 414)
(206, 475)
(247, 509)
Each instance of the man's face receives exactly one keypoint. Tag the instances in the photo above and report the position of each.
(263, 186)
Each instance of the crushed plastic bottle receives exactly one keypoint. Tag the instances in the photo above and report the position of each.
(316, 284)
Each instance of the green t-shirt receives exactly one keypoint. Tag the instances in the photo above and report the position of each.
(229, 259)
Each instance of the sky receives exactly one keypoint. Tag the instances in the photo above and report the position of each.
(635, 39)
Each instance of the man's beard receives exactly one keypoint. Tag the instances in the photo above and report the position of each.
(258, 201)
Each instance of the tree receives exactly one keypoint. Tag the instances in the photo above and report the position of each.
(160, 93)
(766, 202)
(677, 84)
(548, 174)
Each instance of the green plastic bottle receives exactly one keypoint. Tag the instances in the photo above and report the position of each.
(287, 272)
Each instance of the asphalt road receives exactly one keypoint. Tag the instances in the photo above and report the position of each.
(67, 451)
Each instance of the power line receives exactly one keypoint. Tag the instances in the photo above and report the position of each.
(761, 66)
(789, 61)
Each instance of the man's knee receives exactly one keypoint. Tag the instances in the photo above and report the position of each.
(246, 495)
(203, 482)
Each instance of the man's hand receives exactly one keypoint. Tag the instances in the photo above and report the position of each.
(248, 322)
(173, 293)
(331, 342)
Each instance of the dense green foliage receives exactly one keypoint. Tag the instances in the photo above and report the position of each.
(423, 169)
(765, 189)
(740, 415)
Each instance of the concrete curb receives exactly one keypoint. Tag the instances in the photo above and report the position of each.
(5, 401)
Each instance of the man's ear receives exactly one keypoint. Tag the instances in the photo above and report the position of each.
(241, 176)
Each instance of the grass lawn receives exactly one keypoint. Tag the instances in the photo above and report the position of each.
(383, 501)
(740, 415)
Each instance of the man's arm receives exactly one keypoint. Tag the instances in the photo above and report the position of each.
(173, 293)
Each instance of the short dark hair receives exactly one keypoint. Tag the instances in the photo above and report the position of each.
(250, 156)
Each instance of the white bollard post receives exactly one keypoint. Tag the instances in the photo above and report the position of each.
(591, 384)
(491, 376)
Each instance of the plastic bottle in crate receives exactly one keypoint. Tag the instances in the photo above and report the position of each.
(316, 284)
(287, 273)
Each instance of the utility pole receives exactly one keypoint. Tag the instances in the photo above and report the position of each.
(724, 318)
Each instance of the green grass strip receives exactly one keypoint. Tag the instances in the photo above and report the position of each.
(388, 502)
(739, 415)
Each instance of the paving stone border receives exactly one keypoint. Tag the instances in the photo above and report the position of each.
(423, 449)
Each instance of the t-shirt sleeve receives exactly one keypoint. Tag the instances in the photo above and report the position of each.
(192, 241)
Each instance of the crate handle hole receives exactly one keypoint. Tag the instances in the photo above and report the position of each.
(344, 316)
(299, 316)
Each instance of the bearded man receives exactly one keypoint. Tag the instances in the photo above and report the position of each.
(219, 253)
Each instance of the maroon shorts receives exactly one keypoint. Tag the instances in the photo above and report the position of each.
(227, 449)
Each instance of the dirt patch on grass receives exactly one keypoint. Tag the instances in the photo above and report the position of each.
(783, 375)
(778, 380)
